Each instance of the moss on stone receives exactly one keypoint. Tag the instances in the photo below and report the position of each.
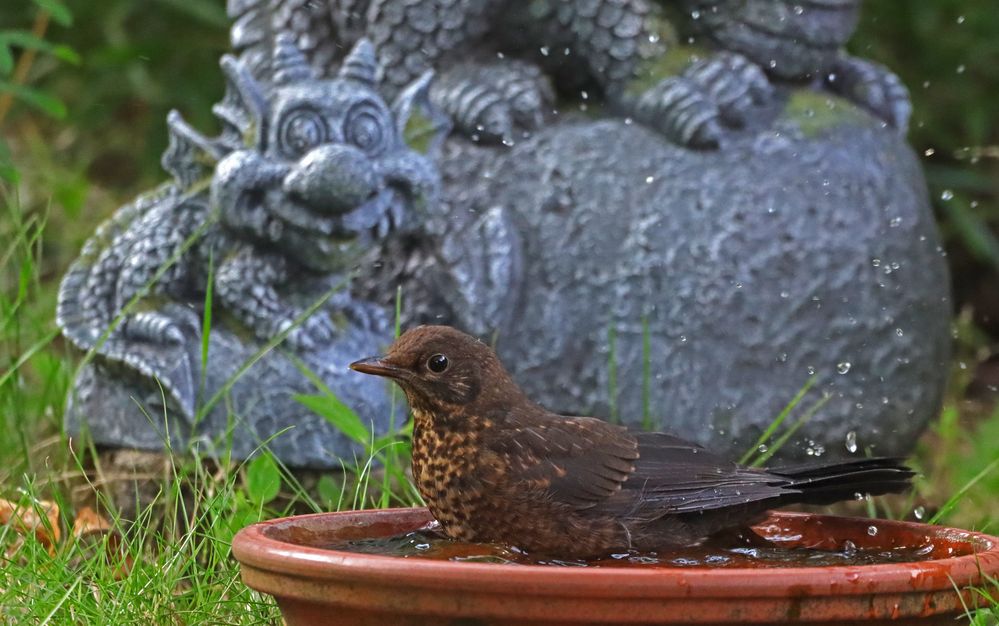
(815, 112)
(419, 131)
(673, 62)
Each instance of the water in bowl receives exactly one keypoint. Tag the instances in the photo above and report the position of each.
(746, 550)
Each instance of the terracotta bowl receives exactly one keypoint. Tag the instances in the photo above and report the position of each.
(316, 586)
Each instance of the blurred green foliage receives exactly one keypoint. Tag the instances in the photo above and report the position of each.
(135, 60)
(947, 52)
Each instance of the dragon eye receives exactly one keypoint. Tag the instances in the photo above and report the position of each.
(366, 127)
(437, 363)
(301, 131)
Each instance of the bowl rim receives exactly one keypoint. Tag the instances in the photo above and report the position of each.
(253, 548)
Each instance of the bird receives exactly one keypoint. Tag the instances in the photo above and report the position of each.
(495, 467)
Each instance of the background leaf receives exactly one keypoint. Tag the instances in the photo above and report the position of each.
(36, 98)
(60, 12)
(263, 479)
(338, 414)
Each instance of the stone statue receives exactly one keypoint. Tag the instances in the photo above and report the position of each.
(674, 214)
(488, 52)
(263, 221)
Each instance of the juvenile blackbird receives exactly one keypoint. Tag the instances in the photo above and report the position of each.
(493, 466)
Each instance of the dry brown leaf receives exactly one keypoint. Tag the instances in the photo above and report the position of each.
(26, 519)
(90, 529)
(89, 521)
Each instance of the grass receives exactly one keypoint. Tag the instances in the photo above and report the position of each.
(177, 547)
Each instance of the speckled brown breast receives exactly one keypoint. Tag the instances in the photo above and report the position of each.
(445, 471)
(476, 496)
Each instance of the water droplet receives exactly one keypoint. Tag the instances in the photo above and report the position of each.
(929, 152)
(895, 222)
(858, 496)
(876, 262)
(899, 332)
(919, 512)
(843, 367)
(810, 369)
(960, 19)
(649, 180)
(960, 69)
(872, 531)
(947, 194)
(762, 448)
(683, 338)
(851, 442)
(695, 15)
(849, 547)
(544, 51)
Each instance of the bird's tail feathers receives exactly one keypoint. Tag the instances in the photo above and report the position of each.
(825, 484)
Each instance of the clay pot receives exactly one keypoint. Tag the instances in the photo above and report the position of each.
(318, 586)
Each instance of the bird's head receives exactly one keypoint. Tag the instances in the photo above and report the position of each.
(441, 368)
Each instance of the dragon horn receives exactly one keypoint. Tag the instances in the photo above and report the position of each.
(289, 65)
(361, 64)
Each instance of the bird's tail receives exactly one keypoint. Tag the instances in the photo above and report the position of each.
(825, 484)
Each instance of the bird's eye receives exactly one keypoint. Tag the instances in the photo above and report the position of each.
(437, 363)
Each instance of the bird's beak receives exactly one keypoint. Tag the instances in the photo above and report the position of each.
(377, 366)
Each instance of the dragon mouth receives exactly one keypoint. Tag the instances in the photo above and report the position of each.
(375, 217)
(330, 239)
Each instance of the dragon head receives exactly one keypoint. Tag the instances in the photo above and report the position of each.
(317, 169)
(791, 40)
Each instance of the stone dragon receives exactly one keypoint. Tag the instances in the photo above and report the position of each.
(694, 77)
(266, 217)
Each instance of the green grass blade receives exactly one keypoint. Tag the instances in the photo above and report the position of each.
(783, 439)
(32, 350)
(775, 424)
(954, 499)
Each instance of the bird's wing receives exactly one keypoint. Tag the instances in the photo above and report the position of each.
(578, 461)
(676, 476)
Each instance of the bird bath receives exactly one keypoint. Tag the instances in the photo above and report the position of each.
(290, 559)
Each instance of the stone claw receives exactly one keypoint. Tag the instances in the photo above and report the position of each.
(873, 87)
(733, 83)
(712, 94)
(677, 108)
(153, 326)
(492, 102)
